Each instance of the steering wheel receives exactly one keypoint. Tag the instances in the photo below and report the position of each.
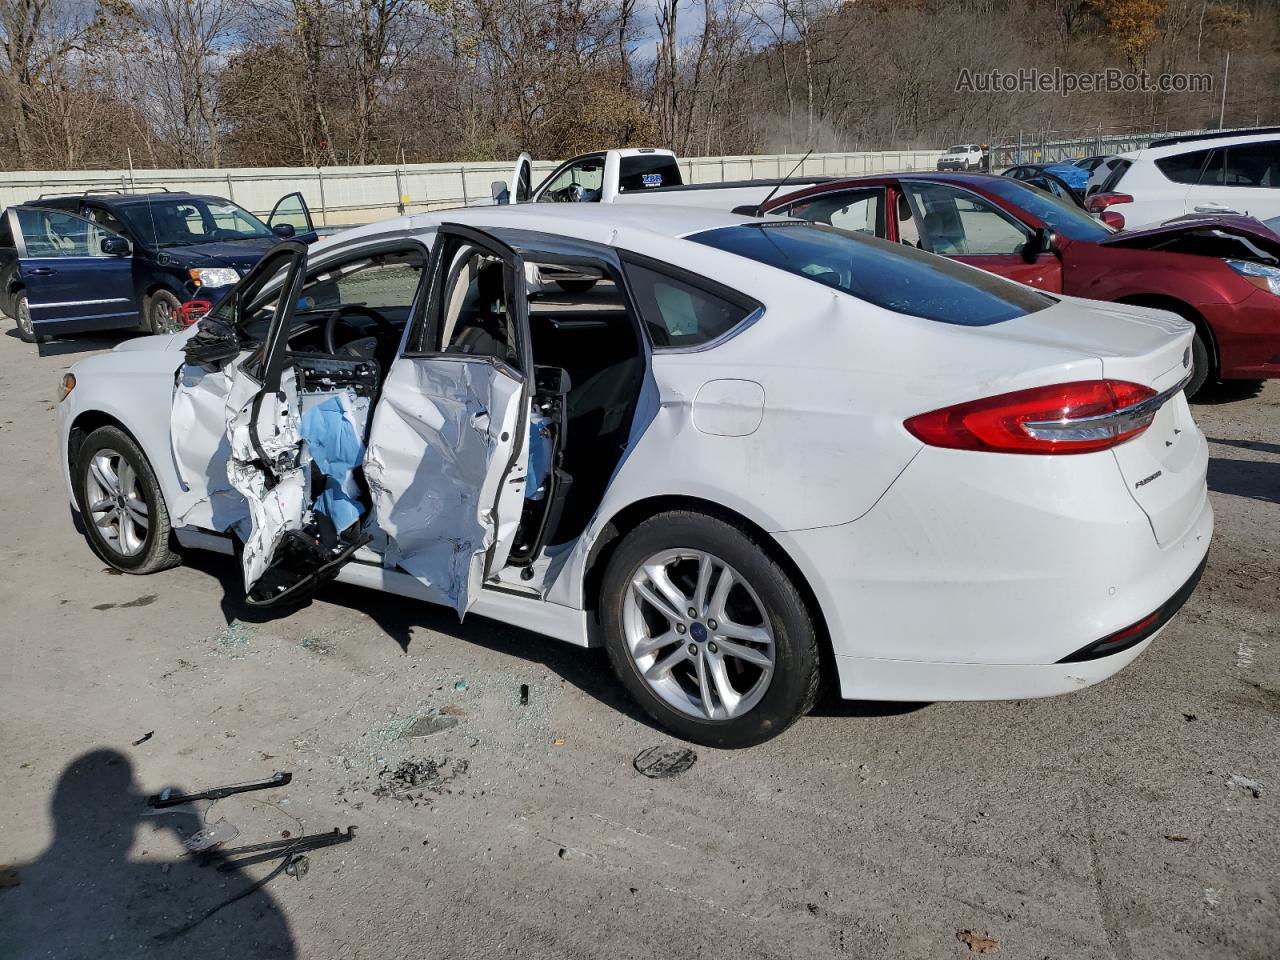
(362, 347)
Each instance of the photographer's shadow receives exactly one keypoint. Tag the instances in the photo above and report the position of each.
(85, 897)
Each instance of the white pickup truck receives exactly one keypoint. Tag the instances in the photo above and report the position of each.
(633, 175)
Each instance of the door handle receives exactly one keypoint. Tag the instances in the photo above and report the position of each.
(1215, 208)
(41, 272)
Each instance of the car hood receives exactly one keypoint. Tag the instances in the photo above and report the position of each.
(240, 254)
(1242, 237)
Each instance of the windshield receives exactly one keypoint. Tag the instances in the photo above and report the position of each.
(1062, 216)
(889, 275)
(961, 148)
(183, 221)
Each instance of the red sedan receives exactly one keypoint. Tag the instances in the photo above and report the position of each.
(1222, 274)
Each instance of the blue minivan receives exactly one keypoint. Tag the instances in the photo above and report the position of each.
(106, 261)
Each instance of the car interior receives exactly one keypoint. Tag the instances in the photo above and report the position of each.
(588, 366)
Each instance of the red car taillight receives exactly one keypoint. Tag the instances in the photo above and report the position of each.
(1100, 201)
(193, 310)
(1113, 219)
(1078, 417)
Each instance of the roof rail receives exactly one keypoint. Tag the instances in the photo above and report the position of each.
(1214, 135)
(63, 193)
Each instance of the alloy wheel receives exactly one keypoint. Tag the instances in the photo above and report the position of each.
(116, 504)
(163, 316)
(698, 634)
(24, 318)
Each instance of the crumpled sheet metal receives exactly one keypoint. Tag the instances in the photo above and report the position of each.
(436, 457)
(272, 511)
(333, 432)
(201, 449)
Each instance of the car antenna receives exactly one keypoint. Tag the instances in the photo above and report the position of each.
(783, 182)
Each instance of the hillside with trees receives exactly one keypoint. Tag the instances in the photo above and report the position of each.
(170, 83)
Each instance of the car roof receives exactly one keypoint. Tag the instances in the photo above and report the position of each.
(125, 199)
(1175, 147)
(594, 222)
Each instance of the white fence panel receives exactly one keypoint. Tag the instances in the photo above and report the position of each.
(344, 196)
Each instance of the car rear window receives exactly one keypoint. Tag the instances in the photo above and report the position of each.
(890, 275)
(645, 171)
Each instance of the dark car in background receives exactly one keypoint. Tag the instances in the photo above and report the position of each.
(105, 261)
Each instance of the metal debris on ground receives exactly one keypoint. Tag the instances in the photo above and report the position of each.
(144, 738)
(171, 798)
(658, 763)
(418, 775)
(238, 857)
(211, 836)
(524, 694)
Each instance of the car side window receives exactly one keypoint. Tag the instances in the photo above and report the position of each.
(475, 309)
(54, 233)
(955, 222)
(580, 182)
(107, 219)
(679, 314)
(1183, 167)
(1252, 165)
(856, 210)
(377, 283)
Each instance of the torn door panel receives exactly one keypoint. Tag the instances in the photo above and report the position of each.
(444, 436)
(201, 449)
(270, 474)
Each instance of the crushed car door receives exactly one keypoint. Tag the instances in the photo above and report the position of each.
(291, 217)
(288, 549)
(77, 274)
(447, 457)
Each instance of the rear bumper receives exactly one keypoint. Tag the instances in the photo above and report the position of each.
(976, 575)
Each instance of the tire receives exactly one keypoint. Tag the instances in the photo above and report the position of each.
(768, 692)
(1201, 366)
(107, 454)
(22, 317)
(162, 312)
(576, 286)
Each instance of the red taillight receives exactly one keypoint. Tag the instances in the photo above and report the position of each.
(1078, 417)
(1100, 201)
(193, 310)
(1113, 219)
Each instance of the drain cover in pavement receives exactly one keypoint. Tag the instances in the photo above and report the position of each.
(662, 762)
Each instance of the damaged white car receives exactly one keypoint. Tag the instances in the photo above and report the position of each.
(752, 456)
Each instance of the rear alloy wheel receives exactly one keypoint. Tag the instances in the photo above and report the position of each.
(162, 312)
(22, 311)
(707, 632)
(124, 513)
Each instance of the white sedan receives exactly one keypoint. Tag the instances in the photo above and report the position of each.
(752, 457)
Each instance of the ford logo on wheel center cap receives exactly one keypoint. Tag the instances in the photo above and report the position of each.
(698, 632)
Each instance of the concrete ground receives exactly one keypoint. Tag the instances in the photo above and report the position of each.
(1136, 819)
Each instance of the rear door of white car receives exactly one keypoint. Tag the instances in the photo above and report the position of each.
(447, 456)
(1239, 179)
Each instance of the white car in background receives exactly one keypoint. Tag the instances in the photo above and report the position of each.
(1213, 174)
(754, 452)
(963, 156)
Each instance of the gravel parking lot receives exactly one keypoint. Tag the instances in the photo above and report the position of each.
(1137, 819)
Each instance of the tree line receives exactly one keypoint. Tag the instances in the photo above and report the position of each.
(178, 83)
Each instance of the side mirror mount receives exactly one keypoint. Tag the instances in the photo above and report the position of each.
(1043, 240)
(498, 190)
(115, 246)
(284, 230)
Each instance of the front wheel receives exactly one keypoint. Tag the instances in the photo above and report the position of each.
(162, 312)
(125, 517)
(1199, 366)
(707, 632)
